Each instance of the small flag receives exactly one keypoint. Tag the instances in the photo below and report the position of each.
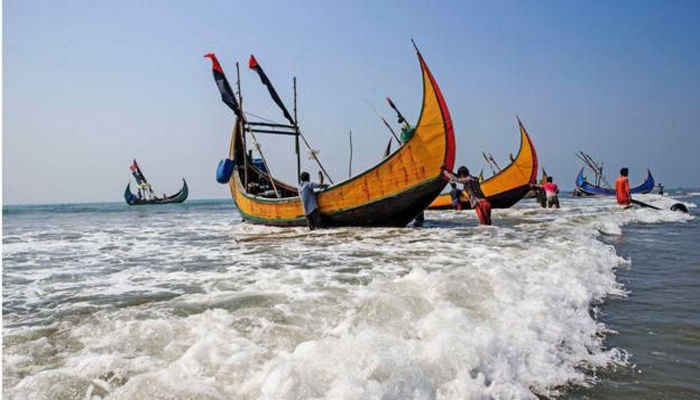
(312, 153)
(227, 95)
(398, 113)
(388, 149)
(254, 65)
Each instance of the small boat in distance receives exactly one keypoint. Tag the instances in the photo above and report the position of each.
(145, 194)
(583, 186)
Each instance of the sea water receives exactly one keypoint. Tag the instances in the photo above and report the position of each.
(186, 302)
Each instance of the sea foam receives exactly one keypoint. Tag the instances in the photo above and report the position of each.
(224, 310)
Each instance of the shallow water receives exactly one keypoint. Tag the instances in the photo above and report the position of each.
(184, 301)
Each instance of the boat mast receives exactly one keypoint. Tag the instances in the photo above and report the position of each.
(488, 162)
(245, 147)
(297, 132)
(350, 166)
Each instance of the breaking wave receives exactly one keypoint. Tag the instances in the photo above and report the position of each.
(193, 304)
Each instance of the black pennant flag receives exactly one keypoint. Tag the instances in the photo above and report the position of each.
(137, 170)
(222, 83)
(253, 64)
(398, 113)
(388, 149)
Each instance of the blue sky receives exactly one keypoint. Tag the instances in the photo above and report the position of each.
(87, 86)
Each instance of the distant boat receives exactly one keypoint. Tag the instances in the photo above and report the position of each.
(509, 185)
(179, 197)
(145, 194)
(583, 186)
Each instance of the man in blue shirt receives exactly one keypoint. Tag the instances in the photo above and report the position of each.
(308, 199)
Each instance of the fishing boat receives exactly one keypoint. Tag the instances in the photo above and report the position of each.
(583, 186)
(179, 197)
(390, 194)
(145, 194)
(507, 186)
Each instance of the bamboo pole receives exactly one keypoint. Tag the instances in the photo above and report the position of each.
(488, 162)
(385, 123)
(306, 142)
(350, 166)
(296, 131)
(243, 137)
(267, 167)
(493, 160)
(313, 154)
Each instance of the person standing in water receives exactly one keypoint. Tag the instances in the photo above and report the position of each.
(551, 191)
(622, 188)
(477, 199)
(308, 199)
(455, 194)
(406, 130)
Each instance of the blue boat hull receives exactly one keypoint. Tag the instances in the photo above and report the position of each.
(592, 190)
(133, 200)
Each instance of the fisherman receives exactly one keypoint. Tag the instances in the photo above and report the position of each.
(406, 130)
(140, 196)
(551, 190)
(477, 199)
(622, 189)
(308, 199)
(455, 194)
(661, 189)
(541, 196)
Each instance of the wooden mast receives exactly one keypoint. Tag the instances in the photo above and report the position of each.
(243, 137)
(350, 166)
(296, 131)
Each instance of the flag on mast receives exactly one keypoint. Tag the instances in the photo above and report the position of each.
(227, 95)
(255, 66)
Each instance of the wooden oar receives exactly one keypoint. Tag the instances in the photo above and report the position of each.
(640, 203)
(676, 207)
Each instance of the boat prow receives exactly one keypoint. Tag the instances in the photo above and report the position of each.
(509, 185)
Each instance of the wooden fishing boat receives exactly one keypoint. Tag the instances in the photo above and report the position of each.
(583, 186)
(392, 193)
(509, 185)
(133, 200)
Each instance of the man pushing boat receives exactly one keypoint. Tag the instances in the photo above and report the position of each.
(473, 187)
(308, 199)
(550, 191)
